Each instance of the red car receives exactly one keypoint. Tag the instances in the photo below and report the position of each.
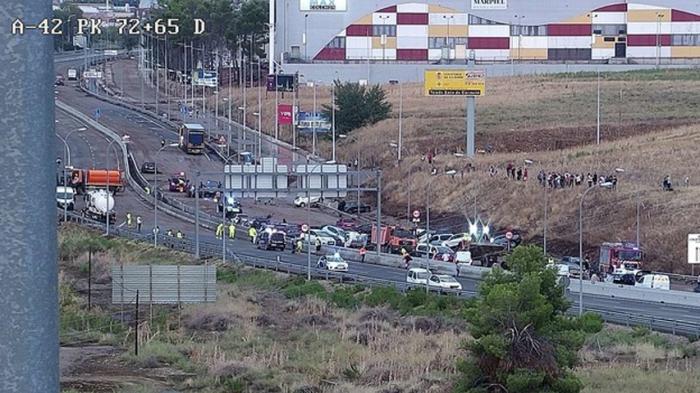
(179, 183)
(348, 224)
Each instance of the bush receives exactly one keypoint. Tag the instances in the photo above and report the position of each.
(298, 287)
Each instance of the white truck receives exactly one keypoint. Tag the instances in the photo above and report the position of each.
(72, 74)
(100, 206)
(65, 197)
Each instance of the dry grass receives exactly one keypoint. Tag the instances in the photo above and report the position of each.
(301, 342)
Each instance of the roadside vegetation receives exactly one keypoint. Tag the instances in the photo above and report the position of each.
(270, 332)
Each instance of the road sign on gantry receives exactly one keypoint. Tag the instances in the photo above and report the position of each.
(322, 180)
(694, 249)
(265, 180)
(449, 82)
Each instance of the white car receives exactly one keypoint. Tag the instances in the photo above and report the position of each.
(302, 201)
(417, 275)
(326, 239)
(654, 281)
(337, 232)
(65, 196)
(443, 281)
(455, 240)
(334, 263)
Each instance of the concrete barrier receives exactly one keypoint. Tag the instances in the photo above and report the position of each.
(635, 293)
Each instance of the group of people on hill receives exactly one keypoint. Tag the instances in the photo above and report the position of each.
(515, 173)
(569, 180)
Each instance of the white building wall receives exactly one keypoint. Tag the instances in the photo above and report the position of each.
(615, 18)
(409, 42)
(529, 42)
(685, 28)
(383, 18)
(411, 31)
(602, 53)
(453, 19)
(649, 28)
(489, 31)
(492, 54)
(570, 42)
(648, 51)
(412, 7)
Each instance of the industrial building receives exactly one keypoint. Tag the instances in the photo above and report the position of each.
(488, 31)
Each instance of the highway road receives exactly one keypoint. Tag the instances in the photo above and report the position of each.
(90, 148)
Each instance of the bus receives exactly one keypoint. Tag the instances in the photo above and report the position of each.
(192, 138)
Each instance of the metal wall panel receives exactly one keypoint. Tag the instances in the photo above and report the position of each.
(412, 54)
(613, 18)
(529, 42)
(331, 54)
(489, 31)
(356, 53)
(560, 29)
(384, 54)
(649, 28)
(568, 54)
(357, 42)
(602, 53)
(410, 42)
(639, 6)
(647, 52)
(448, 18)
(411, 19)
(649, 40)
(685, 28)
(529, 53)
(682, 16)
(621, 7)
(383, 18)
(411, 31)
(492, 54)
(569, 42)
(434, 54)
(656, 15)
(489, 43)
(681, 52)
(413, 7)
(358, 30)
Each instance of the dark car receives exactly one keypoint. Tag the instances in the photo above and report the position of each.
(352, 207)
(347, 224)
(149, 167)
(59, 80)
(269, 240)
(209, 189)
(364, 228)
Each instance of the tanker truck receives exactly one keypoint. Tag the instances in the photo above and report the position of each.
(99, 205)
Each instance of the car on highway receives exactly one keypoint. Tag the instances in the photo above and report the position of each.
(272, 240)
(435, 238)
(439, 253)
(178, 182)
(65, 197)
(352, 207)
(334, 263)
(232, 206)
(417, 276)
(356, 239)
(209, 189)
(501, 239)
(340, 236)
(574, 268)
(241, 219)
(325, 238)
(303, 201)
(443, 281)
(149, 167)
(654, 281)
(346, 223)
(455, 240)
(60, 81)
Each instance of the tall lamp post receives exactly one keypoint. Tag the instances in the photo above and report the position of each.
(109, 148)
(155, 190)
(400, 144)
(607, 185)
(66, 156)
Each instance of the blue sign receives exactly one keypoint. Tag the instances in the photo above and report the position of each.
(308, 120)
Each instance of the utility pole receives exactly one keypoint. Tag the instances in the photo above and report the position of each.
(136, 326)
(598, 112)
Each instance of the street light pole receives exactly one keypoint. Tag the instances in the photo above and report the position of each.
(313, 141)
(580, 243)
(155, 192)
(598, 112)
(545, 221)
(427, 231)
(400, 119)
(109, 147)
(333, 117)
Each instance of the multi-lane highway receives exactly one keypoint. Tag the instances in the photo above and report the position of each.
(88, 149)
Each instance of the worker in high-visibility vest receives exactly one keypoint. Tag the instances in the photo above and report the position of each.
(252, 233)
(231, 231)
(128, 220)
(220, 231)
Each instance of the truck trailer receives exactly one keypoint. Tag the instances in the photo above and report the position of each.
(87, 179)
(99, 206)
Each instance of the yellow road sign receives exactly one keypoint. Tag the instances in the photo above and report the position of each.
(455, 83)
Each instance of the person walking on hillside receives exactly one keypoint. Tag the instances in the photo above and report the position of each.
(139, 222)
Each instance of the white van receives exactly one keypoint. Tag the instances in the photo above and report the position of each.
(417, 276)
(655, 281)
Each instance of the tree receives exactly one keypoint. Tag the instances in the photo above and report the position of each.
(68, 13)
(357, 106)
(523, 341)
